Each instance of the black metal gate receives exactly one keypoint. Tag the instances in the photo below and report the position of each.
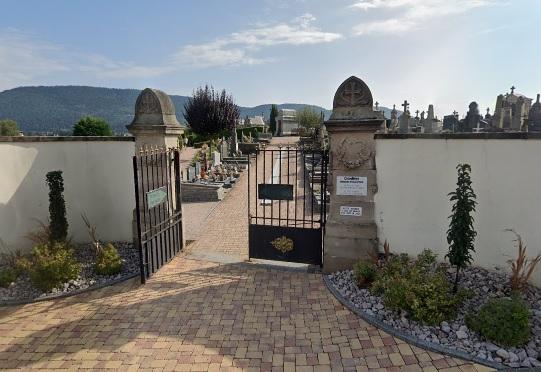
(287, 204)
(158, 208)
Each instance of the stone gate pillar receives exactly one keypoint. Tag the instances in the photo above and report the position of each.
(351, 232)
(155, 122)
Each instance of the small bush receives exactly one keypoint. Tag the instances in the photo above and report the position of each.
(504, 321)
(420, 288)
(364, 273)
(7, 276)
(52, 265)
(522, 267)
(108, 261)
(58, 223)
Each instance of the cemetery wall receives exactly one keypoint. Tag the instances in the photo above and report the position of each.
(416, 172)
(98, 180)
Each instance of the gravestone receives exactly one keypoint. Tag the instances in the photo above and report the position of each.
(216, 158)
(197, 169)
(351, 232)
(191, 174)
(404, 119)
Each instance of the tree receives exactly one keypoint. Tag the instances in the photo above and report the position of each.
(461, 234)
(309, 118)
(92, 126)
(8, 128)
(210, 112)
(272, 118)
(58, 224)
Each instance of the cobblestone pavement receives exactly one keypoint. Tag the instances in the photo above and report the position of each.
(202, 316)
(197, 315)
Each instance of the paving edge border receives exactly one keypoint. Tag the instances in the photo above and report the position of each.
(68, 294)
(408, 338)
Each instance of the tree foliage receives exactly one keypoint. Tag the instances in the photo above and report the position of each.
(309, 118)
(272, 118)
(461, 234)
(8, 128)
(92, 126)
(58, 223)
(210, 112)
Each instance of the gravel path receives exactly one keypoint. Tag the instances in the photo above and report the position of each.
(22, 289)
(455, 334)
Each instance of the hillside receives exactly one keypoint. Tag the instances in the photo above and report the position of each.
(56, 109)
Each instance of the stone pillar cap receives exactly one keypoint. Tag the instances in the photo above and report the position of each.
(154, 111)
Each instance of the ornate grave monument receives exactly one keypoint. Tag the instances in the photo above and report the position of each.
(351, 232)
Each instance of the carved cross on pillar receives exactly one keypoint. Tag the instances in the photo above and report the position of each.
(417, 113)
(377, 105)
(351, 91)
(405, 105)
(513, 89)
(488, 110)
(455, 113)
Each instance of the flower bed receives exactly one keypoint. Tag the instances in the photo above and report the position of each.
(22, 290)
(454, 334)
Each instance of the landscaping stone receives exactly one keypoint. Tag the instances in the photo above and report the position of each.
(454, 334)
(23, 290)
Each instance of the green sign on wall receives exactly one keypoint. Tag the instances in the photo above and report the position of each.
(156, 197)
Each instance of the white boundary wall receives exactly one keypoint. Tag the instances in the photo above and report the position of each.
(98, 180)
(414, 177)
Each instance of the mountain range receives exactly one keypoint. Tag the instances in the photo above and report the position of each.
(55, 109)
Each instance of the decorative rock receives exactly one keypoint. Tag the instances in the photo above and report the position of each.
(502, 354)
(461, 335)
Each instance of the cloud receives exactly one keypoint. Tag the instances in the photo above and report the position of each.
(410, 14)
(26, 60)
(23, 59)
(237, 48)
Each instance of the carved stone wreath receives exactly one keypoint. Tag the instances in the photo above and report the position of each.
(283, 244)
(351, 159)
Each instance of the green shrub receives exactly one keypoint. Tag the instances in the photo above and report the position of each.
(52, 265)
(420, 288)
(364, 273)
(7, 276)
(58, 223)
(108, 261)
(504, 321)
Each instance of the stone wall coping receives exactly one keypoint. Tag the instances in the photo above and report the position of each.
(67, 139)
(451, 136)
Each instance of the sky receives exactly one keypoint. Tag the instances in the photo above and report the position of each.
(442, 52)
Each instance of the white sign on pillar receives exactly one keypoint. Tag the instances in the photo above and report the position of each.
(351, 186)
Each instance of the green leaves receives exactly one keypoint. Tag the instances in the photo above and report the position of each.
(461, 233)
(91, 126)
(58, 224)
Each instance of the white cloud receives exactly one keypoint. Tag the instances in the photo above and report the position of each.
(23, 60)
(409, 14)
(237, 48)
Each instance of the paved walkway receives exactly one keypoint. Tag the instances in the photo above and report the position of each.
(198, 315)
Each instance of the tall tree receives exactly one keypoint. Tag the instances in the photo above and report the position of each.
(461, 234)
(272, 118)
(8, 128)
(91, 126)
(309, 118)
(210, 112)
(58, 223)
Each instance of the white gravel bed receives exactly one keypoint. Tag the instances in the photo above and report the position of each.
(454, 334)
(23, 290)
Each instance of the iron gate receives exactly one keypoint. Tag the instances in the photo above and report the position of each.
(287, 204)
(158, 208)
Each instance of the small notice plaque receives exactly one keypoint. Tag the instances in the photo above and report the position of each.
(275, 191)
(351, 211)
(351, 185)
(156, 197)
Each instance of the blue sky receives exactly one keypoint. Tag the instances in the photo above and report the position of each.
(444, 52)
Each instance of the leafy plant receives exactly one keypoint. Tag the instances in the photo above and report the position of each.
(15, 261)
(504, 321)
(42, 235)
(52, 265)
(58, 224)
(364, 273)
(91, 126)
(522, 267)
(386, 250)
(108, 261)
(461, 234)
(7, 276)
(420, 288)
(8, 128)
